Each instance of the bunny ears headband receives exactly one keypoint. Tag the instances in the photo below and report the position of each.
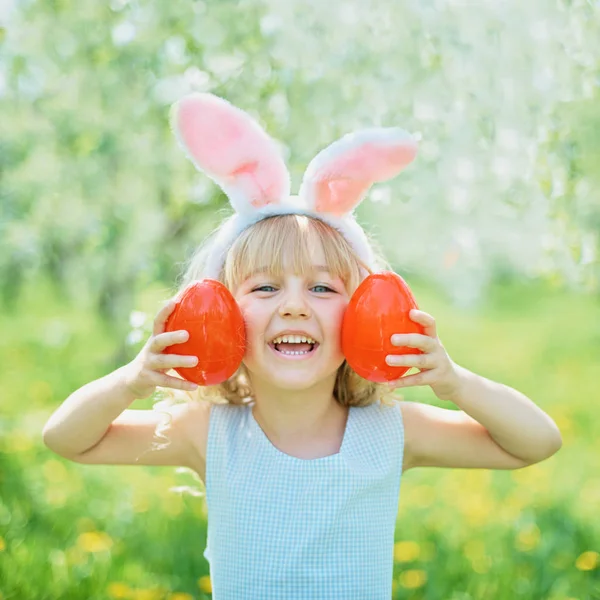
(228, 146)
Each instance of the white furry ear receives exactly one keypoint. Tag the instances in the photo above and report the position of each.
(231, 148)
(337, 179)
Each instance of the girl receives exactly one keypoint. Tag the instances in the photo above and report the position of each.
(301, 458)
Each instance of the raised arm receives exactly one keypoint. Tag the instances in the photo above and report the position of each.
(497, 427)
(93, 424)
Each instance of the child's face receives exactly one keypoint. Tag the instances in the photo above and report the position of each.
(309, 306)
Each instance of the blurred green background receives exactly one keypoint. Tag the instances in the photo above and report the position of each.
(496, 227)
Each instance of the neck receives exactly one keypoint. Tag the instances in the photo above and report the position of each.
(296, 415)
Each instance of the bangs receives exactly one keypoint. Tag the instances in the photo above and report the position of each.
(290, 241)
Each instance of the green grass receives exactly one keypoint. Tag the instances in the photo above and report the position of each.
(71, 531)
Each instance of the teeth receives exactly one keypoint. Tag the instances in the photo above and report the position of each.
(293, 339)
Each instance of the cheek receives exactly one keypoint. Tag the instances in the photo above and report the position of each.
(255, 324)
(334, 321)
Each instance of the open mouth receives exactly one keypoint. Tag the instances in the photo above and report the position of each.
(294, 345)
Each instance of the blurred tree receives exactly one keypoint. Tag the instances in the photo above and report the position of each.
(95, 193)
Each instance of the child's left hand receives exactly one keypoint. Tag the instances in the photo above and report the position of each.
(436, 367)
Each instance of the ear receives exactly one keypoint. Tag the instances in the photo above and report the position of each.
(231, 148)
(337, 179)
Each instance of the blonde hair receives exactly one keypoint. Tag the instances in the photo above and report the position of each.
(269, 243)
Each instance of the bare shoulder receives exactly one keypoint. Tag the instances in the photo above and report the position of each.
(410, 423)
(173, 435)
(419, 422)
(194, 420)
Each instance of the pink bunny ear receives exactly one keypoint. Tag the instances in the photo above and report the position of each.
(337, 179)
(232, 149)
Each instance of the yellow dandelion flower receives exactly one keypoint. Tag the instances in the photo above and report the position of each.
(406, 551)
(117, 589)
(528, 538)
(180, 596)
(94, 541)
(412, 579)
(205, 584)
(2, 544)
(587, 561)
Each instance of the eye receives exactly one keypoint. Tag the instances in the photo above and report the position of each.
(264, 288)
(323, 288)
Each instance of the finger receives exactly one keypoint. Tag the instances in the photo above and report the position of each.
(164, 340)
(158, 362)
(424, 319)
(162, 315)
(420, 361)
(176, 383)
(422, 378)
(414, 340)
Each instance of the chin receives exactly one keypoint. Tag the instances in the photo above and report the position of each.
(288, 380)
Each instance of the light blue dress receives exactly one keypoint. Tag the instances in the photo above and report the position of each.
(284, 528)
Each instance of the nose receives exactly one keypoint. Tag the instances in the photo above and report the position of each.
(294, 305)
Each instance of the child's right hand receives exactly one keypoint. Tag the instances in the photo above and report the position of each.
(148, 369)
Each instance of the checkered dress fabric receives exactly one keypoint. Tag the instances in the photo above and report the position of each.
(285, 528)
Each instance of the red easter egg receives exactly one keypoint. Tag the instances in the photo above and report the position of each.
(378, 309)
(210, 314)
